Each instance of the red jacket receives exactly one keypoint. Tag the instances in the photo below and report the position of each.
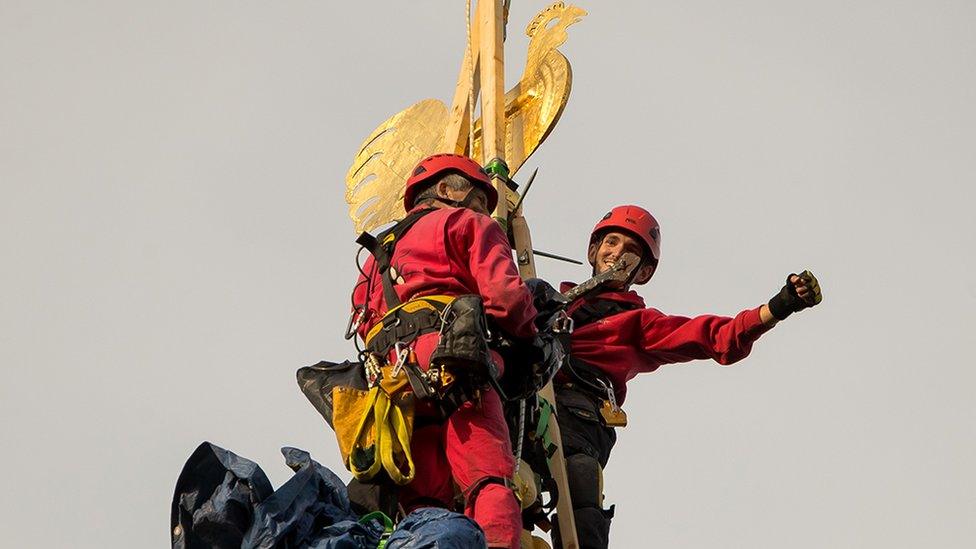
(453, 251)
(642, 339)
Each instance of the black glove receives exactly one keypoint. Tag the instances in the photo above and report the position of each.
(547, 300)
(787, 302)
(532, 364)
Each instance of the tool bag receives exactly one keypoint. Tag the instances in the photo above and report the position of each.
(462, 359)
(318, 381)
(374, 428)
(373, 421)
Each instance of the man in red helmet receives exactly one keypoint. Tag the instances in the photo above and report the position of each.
(617, 337)
(447, 246)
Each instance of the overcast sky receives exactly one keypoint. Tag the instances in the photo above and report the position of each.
(175, 244)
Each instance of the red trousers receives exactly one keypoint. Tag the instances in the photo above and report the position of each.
(469, 446)
(465, 449)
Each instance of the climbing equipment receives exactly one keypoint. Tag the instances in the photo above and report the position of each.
(373, 427)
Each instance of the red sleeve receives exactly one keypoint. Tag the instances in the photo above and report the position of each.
(507, 299)
(725, 340)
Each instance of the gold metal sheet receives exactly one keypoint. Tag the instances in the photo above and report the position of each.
(535, 104)
(376, 179)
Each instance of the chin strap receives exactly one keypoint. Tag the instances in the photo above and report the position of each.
(465, 203)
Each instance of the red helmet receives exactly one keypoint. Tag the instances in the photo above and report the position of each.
(439, 164)
(636, 221)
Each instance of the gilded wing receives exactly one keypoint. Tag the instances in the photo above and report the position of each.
(376, 179)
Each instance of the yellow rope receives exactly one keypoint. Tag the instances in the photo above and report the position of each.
(383, 430)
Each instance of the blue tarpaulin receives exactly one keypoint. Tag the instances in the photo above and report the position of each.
(223, 500)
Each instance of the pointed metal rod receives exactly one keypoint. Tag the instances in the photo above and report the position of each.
(559, 257)
(528, 186)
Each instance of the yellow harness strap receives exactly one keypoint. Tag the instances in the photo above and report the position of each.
(381, 437)
(396, 428)
(435, 303)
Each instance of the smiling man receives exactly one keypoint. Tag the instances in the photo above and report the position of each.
(617, 337)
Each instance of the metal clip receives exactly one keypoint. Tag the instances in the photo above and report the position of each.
(433, 375)
(611, 396)
(402, 352)
(373, 369)
(563, 323)
(356, 318)
(613, 399)
(612, 415)
(390, 326)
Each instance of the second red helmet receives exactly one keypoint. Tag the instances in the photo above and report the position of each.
(440, 164)
(636, 221)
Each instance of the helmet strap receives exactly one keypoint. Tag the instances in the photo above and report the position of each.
(469, 198)
(451, 203)
(465, 203)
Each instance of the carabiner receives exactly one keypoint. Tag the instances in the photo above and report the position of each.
(612, 397)
(356, 318)
(562, 323)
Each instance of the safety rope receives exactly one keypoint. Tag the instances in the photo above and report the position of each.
(521, 436)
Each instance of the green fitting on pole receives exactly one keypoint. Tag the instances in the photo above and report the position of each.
(503, 222)
(497, 167)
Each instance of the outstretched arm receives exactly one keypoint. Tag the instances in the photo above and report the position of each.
(674, 339)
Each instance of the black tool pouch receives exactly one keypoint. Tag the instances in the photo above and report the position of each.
(318, 381)
(462, 349)
(463, 344)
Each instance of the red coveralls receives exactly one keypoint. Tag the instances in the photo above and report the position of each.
(640, 340)
(619, 346)
(456, 251)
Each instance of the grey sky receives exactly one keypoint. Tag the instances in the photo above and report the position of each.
(175, 244)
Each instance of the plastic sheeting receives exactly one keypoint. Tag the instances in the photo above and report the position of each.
(223, 500)
(433, 528)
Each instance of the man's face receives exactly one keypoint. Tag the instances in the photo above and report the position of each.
(479, 198)
(604, 253)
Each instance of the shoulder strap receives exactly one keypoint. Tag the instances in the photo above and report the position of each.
(596, 309)
(382, 247)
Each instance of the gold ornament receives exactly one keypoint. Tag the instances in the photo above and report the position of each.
(535, 104)
(375, 181)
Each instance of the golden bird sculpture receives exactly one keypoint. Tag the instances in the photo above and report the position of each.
(375, 181)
